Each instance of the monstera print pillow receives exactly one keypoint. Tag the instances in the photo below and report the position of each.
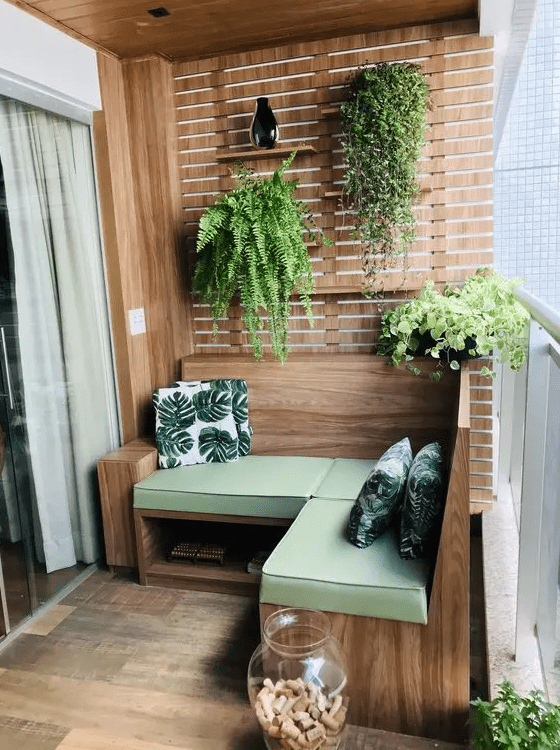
(423, 503)
(239, 404)
(381, 496)
(194, 426)
(240, 409)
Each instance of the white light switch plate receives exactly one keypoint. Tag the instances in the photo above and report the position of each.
(137, 321)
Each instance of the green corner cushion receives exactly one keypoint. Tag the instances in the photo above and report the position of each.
(345, 478)
(315, 566)
(264, 486)
(423, 503)
(380, 498)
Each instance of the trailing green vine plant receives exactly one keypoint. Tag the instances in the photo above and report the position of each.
(383, 126)
(251, 243)
(481, 317)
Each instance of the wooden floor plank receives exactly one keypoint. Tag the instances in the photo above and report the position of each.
(87, 589)
(361, 738)
(84, 739)
(135, 668)
(26, 734)
(144, 714)
(49, 621)
(127, 597)
(40, 655)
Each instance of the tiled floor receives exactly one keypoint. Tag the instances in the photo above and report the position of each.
(501, 556)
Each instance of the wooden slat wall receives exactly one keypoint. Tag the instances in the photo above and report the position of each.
(215, 101)
(482, 437)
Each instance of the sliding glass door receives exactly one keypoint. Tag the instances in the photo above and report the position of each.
(14, 548)
(57, 396)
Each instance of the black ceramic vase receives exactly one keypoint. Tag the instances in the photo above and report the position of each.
(264, 128)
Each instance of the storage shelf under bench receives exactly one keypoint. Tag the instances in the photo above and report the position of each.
(158, 531)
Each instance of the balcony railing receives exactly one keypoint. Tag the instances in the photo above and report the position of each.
(528, 406)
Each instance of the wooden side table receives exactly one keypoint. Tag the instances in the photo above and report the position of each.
(118, 472)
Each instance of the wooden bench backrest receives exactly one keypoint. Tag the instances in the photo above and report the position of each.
(339, 405)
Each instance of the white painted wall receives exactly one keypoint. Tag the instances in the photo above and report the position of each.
(44, 67)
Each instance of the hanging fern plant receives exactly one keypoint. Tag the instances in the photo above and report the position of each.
(383, 124)
(251, 243)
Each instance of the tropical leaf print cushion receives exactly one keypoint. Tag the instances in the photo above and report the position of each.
(175, 418)
(240, 409)
(380, 498)
(194, 426)
(423, 503)
(240, 405)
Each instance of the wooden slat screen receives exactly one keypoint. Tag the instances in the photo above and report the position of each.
(305, 84)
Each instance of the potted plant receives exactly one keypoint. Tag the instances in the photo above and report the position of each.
(383, 132)
(251, 243)
(514, 722)
(476, 319)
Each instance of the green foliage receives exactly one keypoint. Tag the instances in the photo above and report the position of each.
(479, 318)
(251, 243)
(383, 124)
(513, 722)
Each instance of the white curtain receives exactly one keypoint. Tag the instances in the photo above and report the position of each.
(69, 396)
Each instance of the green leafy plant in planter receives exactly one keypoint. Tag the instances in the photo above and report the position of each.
(475, 319)
(383, 127)
(251, 243)
(514, 722)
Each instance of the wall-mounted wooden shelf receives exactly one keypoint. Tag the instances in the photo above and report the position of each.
(270, 153)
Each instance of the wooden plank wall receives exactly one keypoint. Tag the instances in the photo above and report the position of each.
(135, 138)
(215, 101)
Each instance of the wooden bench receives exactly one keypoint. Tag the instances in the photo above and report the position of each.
(409, 677)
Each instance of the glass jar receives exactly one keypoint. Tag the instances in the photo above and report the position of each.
(297, 682)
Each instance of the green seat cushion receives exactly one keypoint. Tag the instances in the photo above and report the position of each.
(345, 478)
(266, 486)
(315, 566)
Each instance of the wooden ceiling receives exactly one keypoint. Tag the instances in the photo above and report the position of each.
(204, 28)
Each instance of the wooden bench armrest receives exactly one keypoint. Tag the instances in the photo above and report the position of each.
(118, 472)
